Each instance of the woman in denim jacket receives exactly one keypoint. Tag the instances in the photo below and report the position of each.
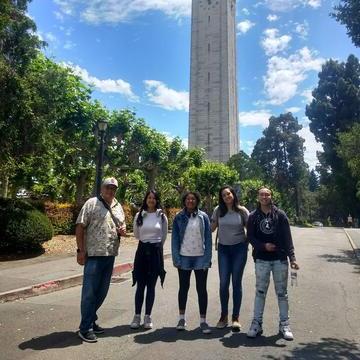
(191, 246)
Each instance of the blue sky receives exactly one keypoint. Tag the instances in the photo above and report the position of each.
(136, 54)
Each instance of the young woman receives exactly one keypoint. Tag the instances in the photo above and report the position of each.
(150, 227)
(230, 218)
(191, 247)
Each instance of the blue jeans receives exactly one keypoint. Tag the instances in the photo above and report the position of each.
(96, 282)
(280, 271)
(232, 260)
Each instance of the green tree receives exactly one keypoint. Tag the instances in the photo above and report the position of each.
(348, 13)
(334, 110)
(280, 152)
(313, 181)
(249, 193)
(208, 179)
(348, 150)
(246, 167)
(18, 46)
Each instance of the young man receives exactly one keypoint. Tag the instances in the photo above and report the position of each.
(99, 225)
(268, 231)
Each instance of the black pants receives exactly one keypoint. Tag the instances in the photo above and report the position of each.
(201, 280)
(149, 283)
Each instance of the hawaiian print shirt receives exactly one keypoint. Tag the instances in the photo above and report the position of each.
(100, 230)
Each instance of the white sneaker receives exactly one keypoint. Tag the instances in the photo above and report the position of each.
(285, 331)
(255, 329)
(135, 324)
(147, 322)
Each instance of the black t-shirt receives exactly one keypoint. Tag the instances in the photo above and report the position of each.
(265, 230)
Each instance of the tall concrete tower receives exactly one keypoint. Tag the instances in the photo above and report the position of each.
(213, 90)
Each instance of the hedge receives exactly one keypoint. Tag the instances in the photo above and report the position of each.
(22, 227)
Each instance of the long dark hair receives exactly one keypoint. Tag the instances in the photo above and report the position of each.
(139, 220)
(236, 204)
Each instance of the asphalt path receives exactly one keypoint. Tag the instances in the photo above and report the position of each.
(325, 315)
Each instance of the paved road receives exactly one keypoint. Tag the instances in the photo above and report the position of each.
(325, 316)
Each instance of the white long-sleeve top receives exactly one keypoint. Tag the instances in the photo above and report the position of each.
(154, 228)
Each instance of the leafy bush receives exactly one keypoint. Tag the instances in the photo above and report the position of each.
(170, 213)
(21, 226)
(129, 212)
(61, 217)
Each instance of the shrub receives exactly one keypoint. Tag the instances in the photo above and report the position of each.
(61, 217)
(21, 226)
(130, 212)
(170, 213)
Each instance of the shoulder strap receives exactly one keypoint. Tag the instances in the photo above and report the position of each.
(108, 207)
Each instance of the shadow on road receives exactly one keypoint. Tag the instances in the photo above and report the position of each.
(55, 340)
(170, 334)
(348, 257)
(326, 348)
(237, 340)
(64, 339)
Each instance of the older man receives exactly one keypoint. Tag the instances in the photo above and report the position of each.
(100, 224)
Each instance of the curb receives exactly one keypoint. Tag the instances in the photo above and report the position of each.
(354, 247)
(55, 285)
(59, 284)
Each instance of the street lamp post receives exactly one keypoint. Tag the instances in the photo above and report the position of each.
(102, 126)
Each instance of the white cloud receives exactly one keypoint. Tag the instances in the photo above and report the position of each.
(311, 145)
(69, 45)
(272, 17)
(116, 11)
(285, 74)
(288, 5)
(272, 43)
(166, 98)
(244, 26)
(307, 94)
(118, 86)
(293, 109)
(50, 37)
(302, 29)
(255, 118)
(245, 11)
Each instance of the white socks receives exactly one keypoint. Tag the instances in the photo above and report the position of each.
(182, 317)
(202, 320)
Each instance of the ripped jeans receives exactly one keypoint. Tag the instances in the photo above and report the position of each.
(280, 270)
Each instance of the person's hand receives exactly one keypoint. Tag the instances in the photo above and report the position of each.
(270, 247)
(294, 265)
(81, 258)
(121, 230)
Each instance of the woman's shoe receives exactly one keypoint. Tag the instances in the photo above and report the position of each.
(222, 323)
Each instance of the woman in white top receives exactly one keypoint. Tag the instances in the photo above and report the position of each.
(150, 228)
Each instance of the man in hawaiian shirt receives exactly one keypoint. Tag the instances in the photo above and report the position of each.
(100, 224)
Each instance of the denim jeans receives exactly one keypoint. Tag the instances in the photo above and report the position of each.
(96, 282)
(231, 260)
(279, 270)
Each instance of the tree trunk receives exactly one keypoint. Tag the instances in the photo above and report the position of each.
(4, 188)
(152, 173)
(80, 188)
(297, 201)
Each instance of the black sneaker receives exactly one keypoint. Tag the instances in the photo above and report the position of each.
(89, 336)
(98, 329)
